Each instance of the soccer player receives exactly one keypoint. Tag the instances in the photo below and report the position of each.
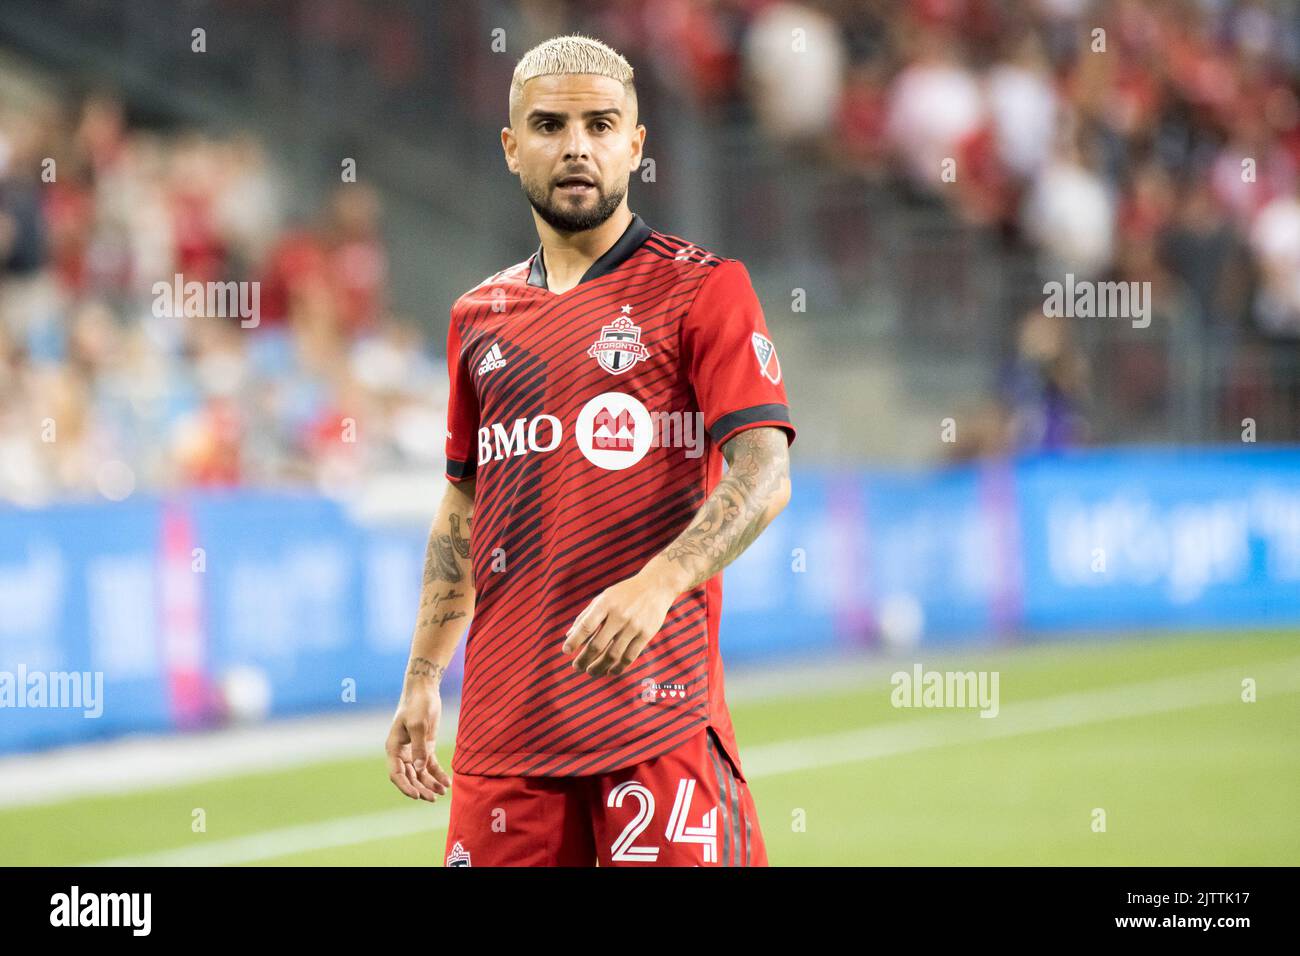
(596, 388)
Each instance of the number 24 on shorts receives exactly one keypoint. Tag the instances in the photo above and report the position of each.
(625, 848)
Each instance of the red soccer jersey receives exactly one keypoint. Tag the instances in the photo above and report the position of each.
(593, 421)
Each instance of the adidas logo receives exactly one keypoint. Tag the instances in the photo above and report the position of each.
(492, 360)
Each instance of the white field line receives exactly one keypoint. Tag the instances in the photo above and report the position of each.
(341, 831)
(1019, 718)
(141, 761)
(792, 756)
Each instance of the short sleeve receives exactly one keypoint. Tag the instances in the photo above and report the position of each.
(731, 359)
(462, 411)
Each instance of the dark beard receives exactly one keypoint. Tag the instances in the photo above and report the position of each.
(570, 221)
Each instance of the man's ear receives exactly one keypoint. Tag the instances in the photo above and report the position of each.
(638, 150)
(510, 146)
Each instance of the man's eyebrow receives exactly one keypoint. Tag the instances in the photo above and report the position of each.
(537, 113)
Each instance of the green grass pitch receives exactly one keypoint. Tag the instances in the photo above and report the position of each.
(1186, 774)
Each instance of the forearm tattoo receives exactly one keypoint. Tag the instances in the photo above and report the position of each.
(431, 601)
(735, 513)
(423, 667)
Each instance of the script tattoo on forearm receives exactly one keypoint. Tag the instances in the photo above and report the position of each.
(734, 514)
(423, 667)
(431, 599)
(442, 557)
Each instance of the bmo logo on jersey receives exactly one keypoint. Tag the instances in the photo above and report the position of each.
(613, 430)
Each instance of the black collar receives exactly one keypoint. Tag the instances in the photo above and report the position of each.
(633, 236)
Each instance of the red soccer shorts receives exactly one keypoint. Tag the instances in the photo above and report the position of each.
(688, 807)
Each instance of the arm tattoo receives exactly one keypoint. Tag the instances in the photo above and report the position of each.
(461, 544)
(423, 667)
(734, 514)
(429, 602)
(441, 557)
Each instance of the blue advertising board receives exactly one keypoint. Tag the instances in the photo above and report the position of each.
(158, 614)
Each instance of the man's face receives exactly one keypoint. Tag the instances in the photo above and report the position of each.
(573, 142)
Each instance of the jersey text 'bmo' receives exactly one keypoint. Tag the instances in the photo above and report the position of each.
(592, 421)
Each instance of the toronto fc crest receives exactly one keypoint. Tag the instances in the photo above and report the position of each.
(458, 856)
(619, 346)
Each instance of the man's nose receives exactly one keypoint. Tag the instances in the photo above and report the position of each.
(576, 146)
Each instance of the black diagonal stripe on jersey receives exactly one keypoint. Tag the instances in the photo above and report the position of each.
(504, 497)
(544, 359)
(599, 525)
(515, 644)
(524, 370)
(647, 287)
(561, 309)
(561, 398)
(612, 730)
(612, 709)
(525, 674)
(773, 411)
(664, 242)
(591, 707)
(577, 479)
(647, 525)
(656, 388)
(528, 379)
(637, 751)
(661, 737)
(580, 297)
(708, 263)
(668, 309)
(513, 512)
(584, 698)
(579, 381)
(646, 533)
(679, 632)
(531, 587)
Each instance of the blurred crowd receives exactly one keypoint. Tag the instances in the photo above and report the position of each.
(1118, 140)
(107, 386)
(1121, 137)
(1123, 140)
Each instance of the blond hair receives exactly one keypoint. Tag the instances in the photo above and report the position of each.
(570, 54)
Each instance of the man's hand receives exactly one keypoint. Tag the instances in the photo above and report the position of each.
(412, 764)
(616, 626)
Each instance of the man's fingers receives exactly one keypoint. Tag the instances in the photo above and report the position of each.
(419, 751)
(397, 774)
(630, 654)
(442, 776)
(596, 646)
(613, 653)
(430, 780)
(584, 626)
(413, 776)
